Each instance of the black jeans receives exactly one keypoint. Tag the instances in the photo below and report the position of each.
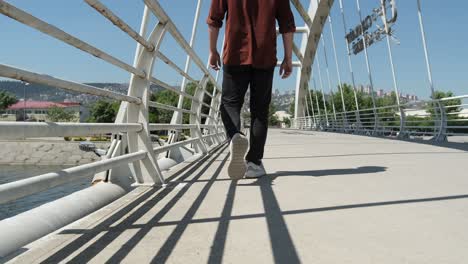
(236, 80)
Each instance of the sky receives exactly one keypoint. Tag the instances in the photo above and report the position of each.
(445, 22)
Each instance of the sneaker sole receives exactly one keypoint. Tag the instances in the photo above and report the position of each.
(236, 167)
(254, 177)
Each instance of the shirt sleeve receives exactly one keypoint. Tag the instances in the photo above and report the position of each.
(285, 17)
(217, 11)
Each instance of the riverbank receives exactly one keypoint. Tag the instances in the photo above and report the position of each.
(45, 152)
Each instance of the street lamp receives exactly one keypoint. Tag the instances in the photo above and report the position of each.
(24, 100)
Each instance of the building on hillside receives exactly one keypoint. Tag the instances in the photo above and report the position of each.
(37, 110)
(380, 93)
(463, 113)
(282, 117)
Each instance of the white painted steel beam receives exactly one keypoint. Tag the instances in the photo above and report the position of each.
(295, 64)
(174, 145)
(34, 22)
(161, 127)
(317, 13)
(303, 12)
(298, 52)
(107, 13)
(146, 171)
(31, 225)
(169, 107)
(303, 30)
(31, 77)
(21, 188)
(20, 130)
(171, 88)
(158, 11)
(170, 63)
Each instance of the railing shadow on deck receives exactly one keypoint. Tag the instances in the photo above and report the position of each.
(148, 202)
(283, 248)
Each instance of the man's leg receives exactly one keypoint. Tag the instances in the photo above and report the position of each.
(235, 83)
(260, 98)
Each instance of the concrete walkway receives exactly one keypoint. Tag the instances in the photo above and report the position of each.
(328, 198)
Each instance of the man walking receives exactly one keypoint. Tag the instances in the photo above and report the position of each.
(249, 58)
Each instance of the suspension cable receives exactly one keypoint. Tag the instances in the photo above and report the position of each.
(350, 64)
(340, 84)
(371, 82)
(312, 105)
(328, 77)
(321, 88)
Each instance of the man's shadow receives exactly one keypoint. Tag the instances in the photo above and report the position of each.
(282, 244)
(330, 172)
(270, 177)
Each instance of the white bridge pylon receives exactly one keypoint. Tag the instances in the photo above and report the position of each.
(314, 19)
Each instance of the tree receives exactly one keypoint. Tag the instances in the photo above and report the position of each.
(287, 122)
(272, 118)
(317, 95)
(58, 114)
(168, 97)
(104, 111)
(292, 107)
(451, 106)
(6, 99)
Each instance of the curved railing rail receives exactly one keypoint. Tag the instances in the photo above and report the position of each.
(131, 151)
(437, 119)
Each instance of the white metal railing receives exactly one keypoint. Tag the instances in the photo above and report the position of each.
(434, 118)
(150, 46)
(18, 189)
(21, 130)
(131, 145)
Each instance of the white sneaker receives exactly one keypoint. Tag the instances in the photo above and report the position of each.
(254, 170)
(238, 148)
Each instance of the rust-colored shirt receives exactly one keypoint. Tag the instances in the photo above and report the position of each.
(250, 37)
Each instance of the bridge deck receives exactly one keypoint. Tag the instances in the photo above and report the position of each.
(329, 198)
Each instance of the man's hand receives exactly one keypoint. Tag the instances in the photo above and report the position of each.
(215, 60)
(285, 68)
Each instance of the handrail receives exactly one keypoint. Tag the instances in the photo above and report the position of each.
(159, 12)
(34, 22)
(174, 145)
(169, 62)
(131, 139)
(170, 88)
(169, 107)
(107, 13)
(161, 127)
(20, 130)
(438, 125)
(21, 188)
(31, 77)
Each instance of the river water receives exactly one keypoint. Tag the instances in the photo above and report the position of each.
(10, 173)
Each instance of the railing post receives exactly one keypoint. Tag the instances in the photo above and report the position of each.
(177, 117)
(212, 120)
(195, 119)
(442, 133)
(146, 171)
(402, 134)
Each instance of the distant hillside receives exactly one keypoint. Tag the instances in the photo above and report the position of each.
(48, 93)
